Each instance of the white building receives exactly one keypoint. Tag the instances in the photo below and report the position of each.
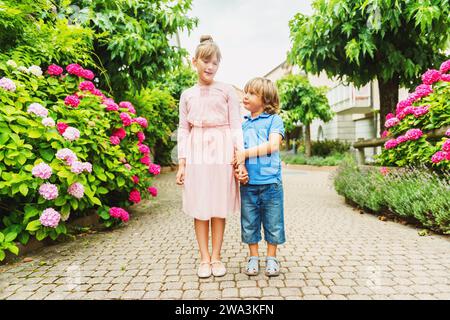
(356, 108)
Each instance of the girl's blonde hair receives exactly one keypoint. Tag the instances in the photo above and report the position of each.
(266, 90)
(207, 48)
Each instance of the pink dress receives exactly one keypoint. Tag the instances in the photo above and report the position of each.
(209, 130)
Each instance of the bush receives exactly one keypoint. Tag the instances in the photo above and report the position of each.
(426, 109)
(162, 108)
(65, 148)
(332, 160)
(414, 193)
(327, 147)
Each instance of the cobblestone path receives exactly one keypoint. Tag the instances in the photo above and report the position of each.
(332, 252)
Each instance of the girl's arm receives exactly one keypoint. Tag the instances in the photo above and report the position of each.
(183, 131)
(234, 117)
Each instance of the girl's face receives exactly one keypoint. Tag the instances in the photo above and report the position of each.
(206, 69)
(253, 102)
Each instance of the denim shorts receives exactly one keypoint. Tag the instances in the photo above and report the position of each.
(262, 204)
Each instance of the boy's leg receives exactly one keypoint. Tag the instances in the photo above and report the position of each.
(202, 234)
(271, 250)
(253, 248)
(217, 230)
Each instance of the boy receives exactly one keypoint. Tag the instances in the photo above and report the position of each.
(262, 189)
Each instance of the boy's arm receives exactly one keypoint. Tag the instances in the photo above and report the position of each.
(263, 149)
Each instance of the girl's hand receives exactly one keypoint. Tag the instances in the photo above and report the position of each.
(240, 157)
(242, 174)
(180, 175)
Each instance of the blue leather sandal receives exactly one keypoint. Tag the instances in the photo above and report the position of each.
(252, 268)
(272, 267)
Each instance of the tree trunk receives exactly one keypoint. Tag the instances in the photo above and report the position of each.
(308, 140)
(388, 99)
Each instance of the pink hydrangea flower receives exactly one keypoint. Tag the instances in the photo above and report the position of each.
(87, 74)
(439, 156)
(413, 134)
(385, 134)
(119, 213)
(72, 101)
(61, 126)
(141, 136)
(54, 70)
(447, 133)
(97, 92)
(135, 179)
(74, 69)
(445, 77)
(384, 171)
(445, 66)
(86, 86)
(125, 104)
(128, 166)
(7, 84)
(420, 111)
(114, 140)
(48, 122)
(71, 134)
(38, 110)
(120, 133)
(42, 170)
(141, 121)
(76, 190)
(77, 167)
(389, 116)
(87, 166)
(423, 90)
(391, 122)
(135, 196)
(405, 112)
(401, 139)
(392, 143)
(50, 218)
(431, 76)
(144, 149)
(126, 119)
(153, 191)
(145, 160)
(154, 169)
(446, 146)
(48, 191)
(66, 155)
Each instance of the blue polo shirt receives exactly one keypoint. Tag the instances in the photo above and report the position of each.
(265, 169)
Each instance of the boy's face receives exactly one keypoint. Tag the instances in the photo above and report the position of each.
(206, 68)
(253, 102)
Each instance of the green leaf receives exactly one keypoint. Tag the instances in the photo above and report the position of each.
(41, 234)
(34, 133)
(60, 201)
(13, 249)
(10, 237)
(2, 237)
(23, 188)
(2, 255)
(24, 237)
(33, 225)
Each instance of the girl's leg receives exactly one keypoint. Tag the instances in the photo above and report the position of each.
(202, 233)
(217, 231)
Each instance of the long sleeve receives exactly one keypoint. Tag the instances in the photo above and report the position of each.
(234, 116)
(183, 128)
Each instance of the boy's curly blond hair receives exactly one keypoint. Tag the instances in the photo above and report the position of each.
(266, 90)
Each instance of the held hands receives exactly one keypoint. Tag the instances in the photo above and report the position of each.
(241, 174)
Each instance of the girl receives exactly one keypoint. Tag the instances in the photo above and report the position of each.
(209, 132)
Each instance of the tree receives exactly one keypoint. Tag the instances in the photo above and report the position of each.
(300, 101)
(133, 38)
(360, 40)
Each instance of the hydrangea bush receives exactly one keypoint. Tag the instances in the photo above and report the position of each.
(66, 148)
(427, 108)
